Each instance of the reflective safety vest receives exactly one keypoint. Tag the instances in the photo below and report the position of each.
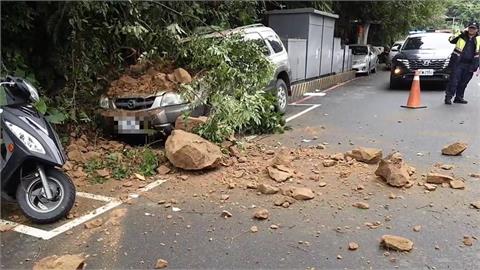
(461, 42)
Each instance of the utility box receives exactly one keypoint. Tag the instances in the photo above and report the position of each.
(316, 28)
(296, 49)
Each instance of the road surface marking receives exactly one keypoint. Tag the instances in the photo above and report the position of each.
(111, 203)
(302, 113)
(324, 91)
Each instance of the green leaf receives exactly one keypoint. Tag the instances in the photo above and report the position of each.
(41, 106)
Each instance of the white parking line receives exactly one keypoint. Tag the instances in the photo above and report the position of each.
(111, 203)
(302, 113)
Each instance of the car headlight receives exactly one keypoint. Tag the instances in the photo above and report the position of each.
(28, 140)
(104, 103)
(171, 98)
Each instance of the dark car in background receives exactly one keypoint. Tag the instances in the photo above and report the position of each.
(427, 52)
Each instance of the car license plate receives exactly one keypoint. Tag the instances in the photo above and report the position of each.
(127, 124)
(426, 72)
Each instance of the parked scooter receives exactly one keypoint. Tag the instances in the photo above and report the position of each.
(31, 155)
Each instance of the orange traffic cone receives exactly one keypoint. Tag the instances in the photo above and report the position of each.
(414, 97)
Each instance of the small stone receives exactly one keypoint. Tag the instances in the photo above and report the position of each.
(162, 202)
(397, 243)
(224, 197)
(352, 246)
(285, 204)
(446, 167)
(161, 263)
(321, 147)
(127, 184)
(261, 214)
(267, 189)
(475, 175)
(252, 185)
(476, 204)
(339, 257)
(430, 187)
(329, 163)
(468, 241)
(139, 176)
(273, 227)
(322, 184)
(226, 214)
(254, 229)
(392, 196)
(169, 216)
(437, 247)
(94, 223)
(417, 228)
(300, 193)
(278, 175)
(457, 184)
(163, 170)
(436, 178)
(361, 205)
(454, 149)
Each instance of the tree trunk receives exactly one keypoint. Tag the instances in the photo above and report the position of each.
(362, 33)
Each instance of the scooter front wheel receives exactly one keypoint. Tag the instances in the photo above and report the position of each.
(33, 201)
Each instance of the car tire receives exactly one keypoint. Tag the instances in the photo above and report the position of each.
(394, 84)
(282, 95)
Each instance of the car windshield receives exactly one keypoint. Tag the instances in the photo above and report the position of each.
(433, 42)
(359, 50)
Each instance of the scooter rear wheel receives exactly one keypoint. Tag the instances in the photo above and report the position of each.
(33, 201)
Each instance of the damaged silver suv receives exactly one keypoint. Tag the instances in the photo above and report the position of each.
(148, 113)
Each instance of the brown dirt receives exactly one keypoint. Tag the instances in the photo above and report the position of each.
(143, 80)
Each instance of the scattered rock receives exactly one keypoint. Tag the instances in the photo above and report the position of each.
(127, 184)
(417, 228)
(226, 214)
(476, 204)
(6, 227)
(161, 263)
(454, 149)
(103, 172)
(457, 184)
(300, 193)
(366, 155)
(261, 214)
(475, 175)
(278, 175)
(321, 147)
(254, 229)
(393, 170)
(274, 227)
(338, 157)
(191, 152)
(468, 241)
(94, 223)
(329, 163)
(339, 257)
(267, 189)
(361, 205)
(397, 243)
(189, 124)
(436, 178)
(139, 177)
(411, 170)
(352, 246)
(447, 167)
(281, 159)
(65, 262)
(322, 184)
(430, 187)
(252, 185)
(224, 197)
(163, 170)
(284, 199)
(76, 156)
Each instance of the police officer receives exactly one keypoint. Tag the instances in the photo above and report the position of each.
(463, 62)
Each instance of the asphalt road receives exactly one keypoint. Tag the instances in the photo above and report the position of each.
(363, 112)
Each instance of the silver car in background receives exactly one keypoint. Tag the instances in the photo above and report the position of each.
(365, 59)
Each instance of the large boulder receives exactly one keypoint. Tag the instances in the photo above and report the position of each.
(454, 149)
(182, 76)
(190, 123)
(191, 152)
(366, 155)
(394, 170)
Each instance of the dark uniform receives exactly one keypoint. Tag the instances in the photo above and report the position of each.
(464, 62)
